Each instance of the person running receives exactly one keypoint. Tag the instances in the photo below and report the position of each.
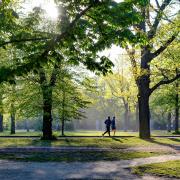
(108, 125)
(113, 125)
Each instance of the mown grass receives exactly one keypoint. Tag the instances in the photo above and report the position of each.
(81, 156)
(67, 133)
(167, 169)
(88, 142)
(84, 133)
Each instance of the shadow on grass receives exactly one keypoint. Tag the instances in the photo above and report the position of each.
(175, 139)
(41, 143)
(116, 139)
(81, 156)
(153, 140)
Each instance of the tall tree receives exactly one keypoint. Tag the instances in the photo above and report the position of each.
(68, 39)
(88, 27)
(156, 43)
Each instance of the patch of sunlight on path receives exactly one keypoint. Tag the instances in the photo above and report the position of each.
(79, 170)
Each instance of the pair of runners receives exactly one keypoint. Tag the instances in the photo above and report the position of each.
(110, 124)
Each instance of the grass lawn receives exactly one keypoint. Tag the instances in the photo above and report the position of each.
(89, 142)
(77, 156)
(167, 169)
(83, 133)
(67, 133)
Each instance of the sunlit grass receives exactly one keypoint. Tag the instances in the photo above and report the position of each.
(83, 133)
(161, 133)
(167, 169)
(68, 133)
(88, 142)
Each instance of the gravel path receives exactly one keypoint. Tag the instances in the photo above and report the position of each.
(11, 170)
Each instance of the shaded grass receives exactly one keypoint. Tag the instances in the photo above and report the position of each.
(88, 142)
(167, 169)
(21, 133)
(77, 156)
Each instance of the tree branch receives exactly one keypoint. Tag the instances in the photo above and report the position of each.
(59, 37)
(163, 72)
(162, 82)
(22, 40)
(166, 18)
(54, 75)
(162, 48)
(158, 18)
(131, 54)
(157, 3)
(27, 67)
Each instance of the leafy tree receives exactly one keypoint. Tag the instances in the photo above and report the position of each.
(33, 54)
(121, 87)
(69, 100)
(157, 37)
(80, 36)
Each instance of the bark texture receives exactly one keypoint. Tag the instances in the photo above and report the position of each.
(144, 94)
(47, 115)
(13, 125)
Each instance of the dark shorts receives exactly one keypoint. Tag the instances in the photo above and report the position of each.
(108, 128)
(113, 128)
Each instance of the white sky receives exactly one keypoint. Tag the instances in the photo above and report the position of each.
(48, 5)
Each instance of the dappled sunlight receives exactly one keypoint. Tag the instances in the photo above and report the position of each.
(49, 6)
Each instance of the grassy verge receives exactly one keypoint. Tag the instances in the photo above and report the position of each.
(89, 142)
(167, 169)
(76, 156)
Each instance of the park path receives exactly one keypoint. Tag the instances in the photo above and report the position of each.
(12, 170)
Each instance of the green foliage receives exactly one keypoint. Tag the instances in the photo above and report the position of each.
(98, 23)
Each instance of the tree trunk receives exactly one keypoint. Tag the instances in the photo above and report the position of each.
(126, 117)
(137, 117)
(27, 125)
(177, 110)
(144, 116)
(47, 113)
(62, 128)
(13, 126)
(63, 114)
(143, 95)
(1, 113)
(1, 123)
(47, 89)
(169, 122)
